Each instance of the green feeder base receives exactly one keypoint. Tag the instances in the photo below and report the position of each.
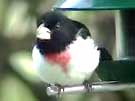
(122, 70)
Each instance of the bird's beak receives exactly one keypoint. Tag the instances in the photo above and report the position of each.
(43, 33)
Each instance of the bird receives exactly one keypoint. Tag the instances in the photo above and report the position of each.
(64, 52)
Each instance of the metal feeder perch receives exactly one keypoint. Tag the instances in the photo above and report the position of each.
(123, 68)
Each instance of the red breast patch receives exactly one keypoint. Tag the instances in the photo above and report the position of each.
(62, 59)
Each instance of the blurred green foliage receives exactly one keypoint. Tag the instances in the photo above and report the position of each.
(13, 89)
(18, 80)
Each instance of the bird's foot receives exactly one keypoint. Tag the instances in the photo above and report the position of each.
(59, 88)
(87, 85)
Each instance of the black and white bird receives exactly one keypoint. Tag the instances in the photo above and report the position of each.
(64, 52)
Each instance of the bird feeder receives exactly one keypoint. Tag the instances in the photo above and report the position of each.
(121, 69)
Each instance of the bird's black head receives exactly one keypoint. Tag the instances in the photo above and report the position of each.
(54, 32)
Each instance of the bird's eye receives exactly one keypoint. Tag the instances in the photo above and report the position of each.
(57, 26)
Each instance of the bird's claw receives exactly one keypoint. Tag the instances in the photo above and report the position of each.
(87, 85)
(59, 88)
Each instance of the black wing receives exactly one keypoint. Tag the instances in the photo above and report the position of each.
(84, 31)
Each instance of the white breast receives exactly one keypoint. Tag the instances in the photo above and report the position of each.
(84, 60)
(85, 57)
(47, 72)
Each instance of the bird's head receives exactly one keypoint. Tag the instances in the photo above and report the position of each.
(54, 32)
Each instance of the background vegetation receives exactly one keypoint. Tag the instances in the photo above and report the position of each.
(18, 80)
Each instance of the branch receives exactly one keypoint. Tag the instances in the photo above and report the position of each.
(95, 87)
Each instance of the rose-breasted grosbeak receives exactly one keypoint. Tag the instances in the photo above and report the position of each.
(64, 52)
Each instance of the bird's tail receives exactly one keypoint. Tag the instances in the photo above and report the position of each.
(104, 54)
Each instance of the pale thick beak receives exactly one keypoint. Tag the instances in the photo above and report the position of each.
(43, 33)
